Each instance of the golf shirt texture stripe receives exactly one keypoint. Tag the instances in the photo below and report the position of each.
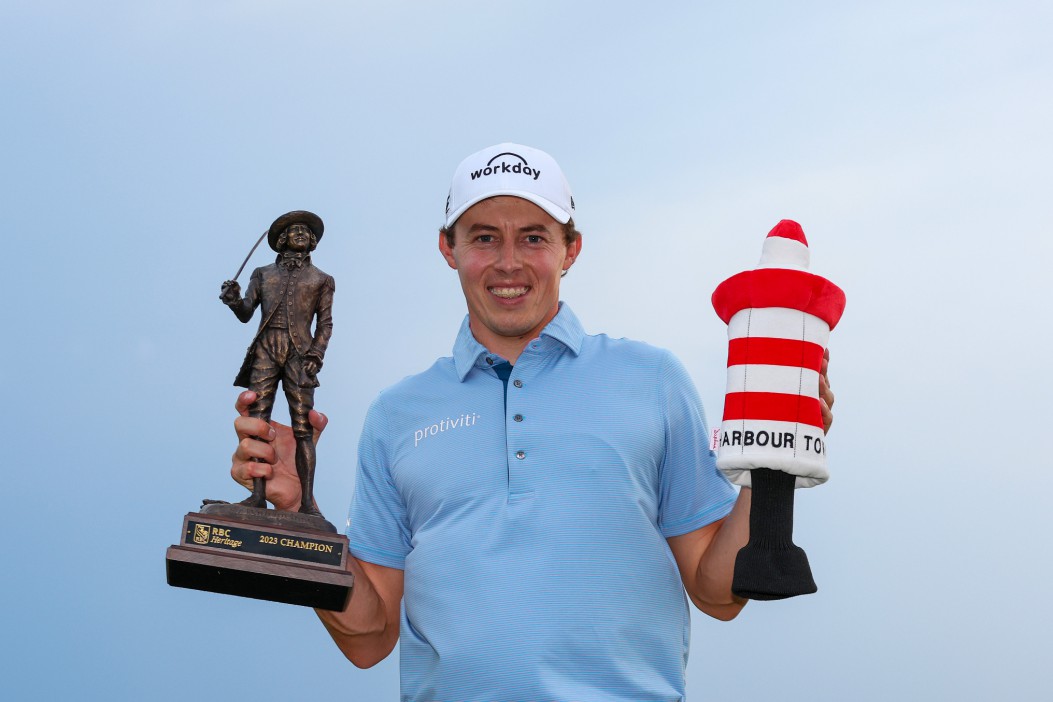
(533, 534)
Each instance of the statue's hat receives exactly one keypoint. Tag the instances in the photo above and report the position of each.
(313, 221)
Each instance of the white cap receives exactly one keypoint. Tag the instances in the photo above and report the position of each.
(510, 169)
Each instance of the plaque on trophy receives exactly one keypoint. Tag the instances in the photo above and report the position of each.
(245, 548)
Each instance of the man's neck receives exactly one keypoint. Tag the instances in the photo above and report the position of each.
(507, 347)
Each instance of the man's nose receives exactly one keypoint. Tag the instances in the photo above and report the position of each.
(508, 256)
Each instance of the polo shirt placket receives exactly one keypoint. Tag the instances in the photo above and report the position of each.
(522, 413)
(520, 483)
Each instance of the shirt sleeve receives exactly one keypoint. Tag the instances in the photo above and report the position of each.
(692, 491)
(377, 527)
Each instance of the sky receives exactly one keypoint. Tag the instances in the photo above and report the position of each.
(146, 145)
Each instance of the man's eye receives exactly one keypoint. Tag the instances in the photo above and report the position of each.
(485, 238)
(534, 239)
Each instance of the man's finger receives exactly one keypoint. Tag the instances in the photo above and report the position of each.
(249, 448)
(318, 421)
(253, 427)
(825, 393)
(244, 471)
(826, 400)
(244, 401)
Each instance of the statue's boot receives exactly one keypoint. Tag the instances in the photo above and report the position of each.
(305, 465)
(312, 510)
(258, 498)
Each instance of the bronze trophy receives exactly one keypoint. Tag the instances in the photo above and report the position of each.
(245, 548)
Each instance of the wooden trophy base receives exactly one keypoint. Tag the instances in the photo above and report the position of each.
(263, 554)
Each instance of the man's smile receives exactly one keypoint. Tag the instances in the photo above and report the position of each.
(509, 293)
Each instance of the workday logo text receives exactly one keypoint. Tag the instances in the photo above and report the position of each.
(507, 162)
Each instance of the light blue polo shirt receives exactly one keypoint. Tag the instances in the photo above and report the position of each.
(533, 533)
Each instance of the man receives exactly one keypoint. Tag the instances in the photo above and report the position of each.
(292, 293)
(538, 502)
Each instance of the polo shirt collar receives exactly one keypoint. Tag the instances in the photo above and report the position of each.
(564, 328)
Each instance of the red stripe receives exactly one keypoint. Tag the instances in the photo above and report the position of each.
(780, 287)
(773, 406)
(775, 352)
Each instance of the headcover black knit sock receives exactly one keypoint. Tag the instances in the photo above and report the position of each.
(770, 566)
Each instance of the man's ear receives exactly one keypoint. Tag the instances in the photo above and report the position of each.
(446, 250)
(573, 249)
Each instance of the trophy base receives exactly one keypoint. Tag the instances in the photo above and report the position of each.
(268, 558)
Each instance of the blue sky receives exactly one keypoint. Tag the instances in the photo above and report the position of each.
(146, 145)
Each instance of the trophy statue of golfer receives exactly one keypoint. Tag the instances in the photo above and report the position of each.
(245, 548)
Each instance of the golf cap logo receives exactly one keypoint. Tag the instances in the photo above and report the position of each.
(506, 162)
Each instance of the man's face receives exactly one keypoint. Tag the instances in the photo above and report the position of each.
(298, 238)
(509, 254)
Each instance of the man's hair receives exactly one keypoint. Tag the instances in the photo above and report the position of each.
(570, 233)
(284, 237)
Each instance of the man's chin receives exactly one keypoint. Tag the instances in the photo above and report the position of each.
(511, 329)
(513, 332)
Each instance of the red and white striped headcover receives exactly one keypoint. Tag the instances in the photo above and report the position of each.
(779, 319)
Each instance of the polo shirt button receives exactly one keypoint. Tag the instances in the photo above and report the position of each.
(518, 383)
(489, 361)
(518, 418)
(520, 455)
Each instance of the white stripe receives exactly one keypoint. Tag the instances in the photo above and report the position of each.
(778, 323)
(764, 378)
(780, 252)
(796, 455)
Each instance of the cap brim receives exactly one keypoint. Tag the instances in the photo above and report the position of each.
(557, 213)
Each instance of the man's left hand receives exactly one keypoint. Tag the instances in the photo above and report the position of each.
(826, 395)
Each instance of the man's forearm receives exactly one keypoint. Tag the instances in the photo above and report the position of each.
(716, 567)
(367, 630)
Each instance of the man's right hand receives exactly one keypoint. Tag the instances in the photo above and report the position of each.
(274, 445)
(230, 292)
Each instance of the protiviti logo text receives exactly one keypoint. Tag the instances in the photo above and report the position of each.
(444, 425)
(507, 162)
